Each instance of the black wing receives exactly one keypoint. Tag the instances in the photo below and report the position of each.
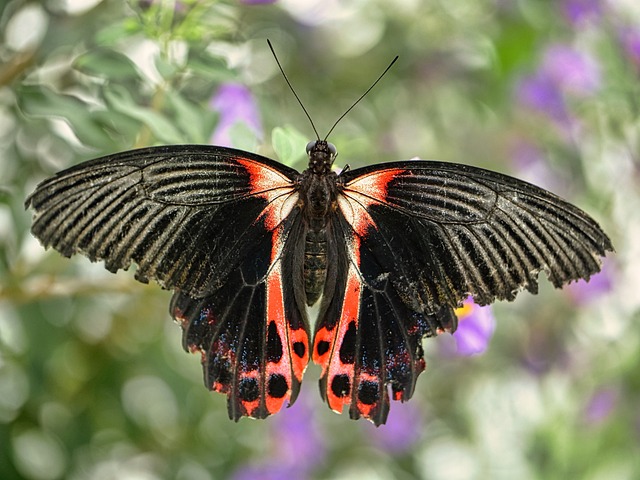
(413, 240)
(212, 223)
(368, 336)
(184, 214)
(450, 231)
(252, 333)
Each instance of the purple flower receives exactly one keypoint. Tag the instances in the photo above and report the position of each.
(298, 446)
(579, 12)
(583, 292)
(538, 92)
(562, 72)
(630, 40)
(402, 431)
(571, 71)
(475, 329)
(299, 439)
(600, 406)
(235, 104)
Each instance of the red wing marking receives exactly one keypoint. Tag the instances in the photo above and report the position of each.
(355, 213)
(362, 192)
(281, 358)
(339, 372)
(299, 350)
(276, 362)
(264, 179)
(287, 350)
(275, 187)
(374, 185)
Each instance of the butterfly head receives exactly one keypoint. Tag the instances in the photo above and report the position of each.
(321, 156)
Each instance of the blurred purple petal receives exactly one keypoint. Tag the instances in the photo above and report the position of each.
(630, 39)
(563, 72)
(571, 71)
(402, 431)
(235, 104)
(600, 406)
(583, 292)
(545, 350)
(476, 325)
(579, 12)
(258, 2)
(540, 93)
(297, 449)
(178, 7)
(299, 438)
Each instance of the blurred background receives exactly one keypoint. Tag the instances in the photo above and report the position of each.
(94, 383)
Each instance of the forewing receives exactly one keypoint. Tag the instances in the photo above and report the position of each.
(445, 231)
(184, 214)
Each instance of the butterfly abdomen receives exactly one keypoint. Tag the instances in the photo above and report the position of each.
(315, 264)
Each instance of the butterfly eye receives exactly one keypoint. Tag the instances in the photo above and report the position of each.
(332, 149)
(310, 146)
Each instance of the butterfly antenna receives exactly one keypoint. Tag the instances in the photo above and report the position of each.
(292, 90)
(361, 96)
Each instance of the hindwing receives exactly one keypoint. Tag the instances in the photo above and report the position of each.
(251, 332)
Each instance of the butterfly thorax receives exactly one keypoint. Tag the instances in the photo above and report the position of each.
(321, 156)
(318, 191)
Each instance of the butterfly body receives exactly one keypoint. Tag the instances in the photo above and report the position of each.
(318, 192)
(246, 244)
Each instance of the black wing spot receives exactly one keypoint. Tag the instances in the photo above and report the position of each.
(348, 347)
(299, 349)
(278, 386)
(368, 393)
(323, 347)
(248, 390)
(274, 343)
(341, 385)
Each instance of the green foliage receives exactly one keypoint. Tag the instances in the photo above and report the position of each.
(289, 144)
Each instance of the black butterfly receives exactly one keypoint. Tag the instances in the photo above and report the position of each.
(247, 243)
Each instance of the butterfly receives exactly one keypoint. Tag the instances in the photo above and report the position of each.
(247, 243)
(387, 252)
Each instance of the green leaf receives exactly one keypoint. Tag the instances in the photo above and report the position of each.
(243, 137)
(113, 34)
(120, 100)
(192, 119)
(85, 121)
(165, 67)
(289, 144)
(211, 69)
(107, 64)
